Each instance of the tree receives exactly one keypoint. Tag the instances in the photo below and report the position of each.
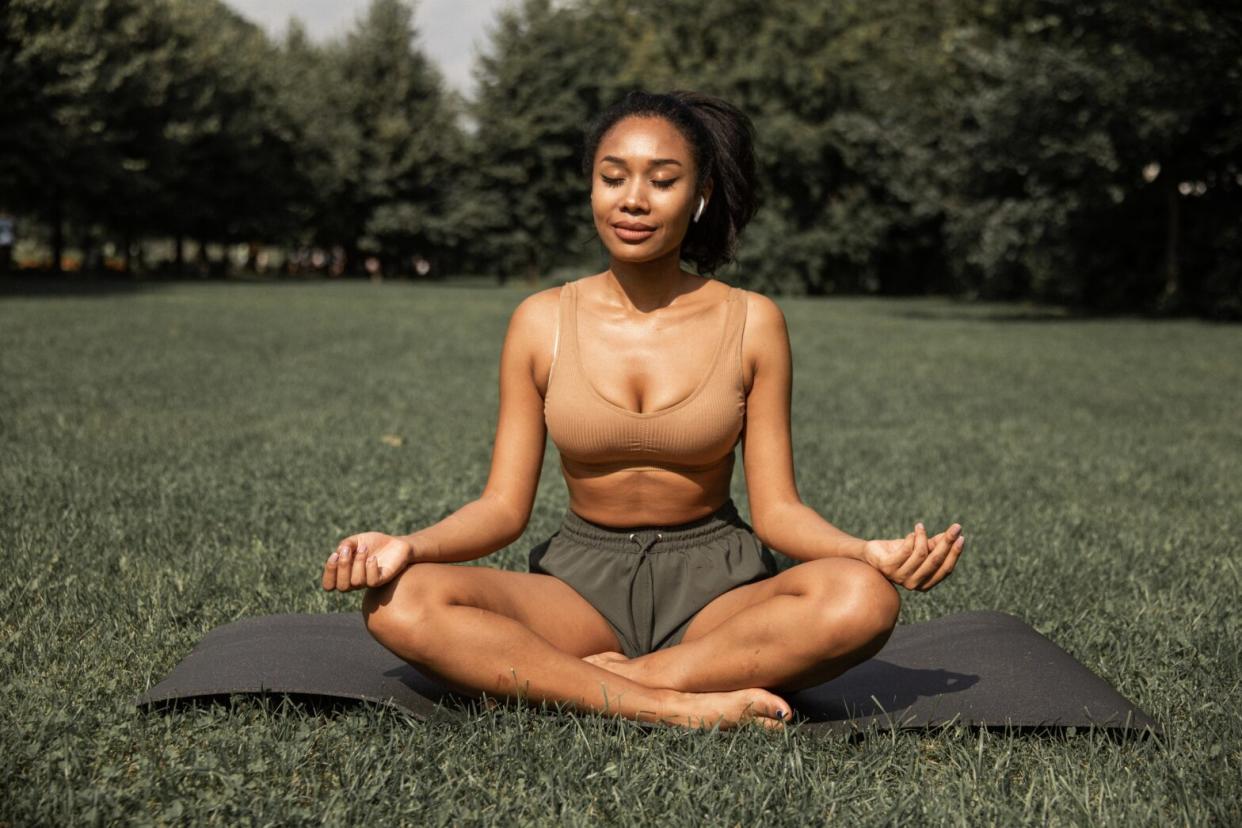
(395, 189)
(547, 71)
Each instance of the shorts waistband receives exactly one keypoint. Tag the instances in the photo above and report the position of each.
(642, 538)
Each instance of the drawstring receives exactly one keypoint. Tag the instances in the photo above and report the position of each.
(646, 547)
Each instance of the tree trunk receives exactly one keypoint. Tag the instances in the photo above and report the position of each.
(532, 271)
(87, 245)
(1172, 270)
(58, 229)
(352, 262)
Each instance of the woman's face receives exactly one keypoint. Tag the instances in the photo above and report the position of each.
(643, 176)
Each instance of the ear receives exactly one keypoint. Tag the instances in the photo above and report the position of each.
(707, 189)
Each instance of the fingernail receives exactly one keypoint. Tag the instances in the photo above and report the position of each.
(919, 526)
(332, 558)
(780, 714)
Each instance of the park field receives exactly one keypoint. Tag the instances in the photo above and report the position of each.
(177, 456)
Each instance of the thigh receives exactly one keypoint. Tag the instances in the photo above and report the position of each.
(547, 606)
(801, 579)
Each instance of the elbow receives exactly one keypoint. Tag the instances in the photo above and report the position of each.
(760, 528)
(511, 521)
(766, 519)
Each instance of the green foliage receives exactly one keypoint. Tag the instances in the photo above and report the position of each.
(407, 151)
(179, 118)
(1065, 105)
(1088, 153)
(547, 71)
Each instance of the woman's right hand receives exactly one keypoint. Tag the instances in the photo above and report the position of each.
(368, 559)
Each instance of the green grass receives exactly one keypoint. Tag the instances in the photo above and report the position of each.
(177, 457)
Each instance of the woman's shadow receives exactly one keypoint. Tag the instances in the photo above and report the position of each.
(875, 687)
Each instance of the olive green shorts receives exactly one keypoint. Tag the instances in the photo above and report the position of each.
(649, 581)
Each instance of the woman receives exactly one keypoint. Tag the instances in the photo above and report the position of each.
(654, 600)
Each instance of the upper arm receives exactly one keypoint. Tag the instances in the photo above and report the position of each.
(767, 447)
(517, 454)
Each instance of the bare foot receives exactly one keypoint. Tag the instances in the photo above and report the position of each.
(615, 662)
(730, 709)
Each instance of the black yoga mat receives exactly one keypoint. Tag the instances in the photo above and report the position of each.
(980, 668)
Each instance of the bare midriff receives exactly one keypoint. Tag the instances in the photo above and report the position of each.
(657, 496)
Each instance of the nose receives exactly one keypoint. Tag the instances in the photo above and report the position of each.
(635, 197)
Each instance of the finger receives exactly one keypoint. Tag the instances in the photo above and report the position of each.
(329, 572)
(897, 557)
(358, 573)
(931, 564)
(946, 568)
(921, 579)
(344, 564)
(374, 578)
(917, 556)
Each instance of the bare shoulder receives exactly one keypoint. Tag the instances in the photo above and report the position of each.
(538, 307)
(764, 335)
(532, 329)
(764, 319)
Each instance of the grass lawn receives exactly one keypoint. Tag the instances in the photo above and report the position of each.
(175, 457)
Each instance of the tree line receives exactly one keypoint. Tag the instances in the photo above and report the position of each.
(1087, 153)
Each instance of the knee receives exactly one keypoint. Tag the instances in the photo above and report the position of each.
(399, 609)
(863, 604)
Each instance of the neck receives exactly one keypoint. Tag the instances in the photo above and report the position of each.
(650, 285)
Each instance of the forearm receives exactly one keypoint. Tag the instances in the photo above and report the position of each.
(477, 529)
(798, 531)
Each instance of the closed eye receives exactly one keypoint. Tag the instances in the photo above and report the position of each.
(663, 184)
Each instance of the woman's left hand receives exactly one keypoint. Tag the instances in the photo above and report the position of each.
(916, 561)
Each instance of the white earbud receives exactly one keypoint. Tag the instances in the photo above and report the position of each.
(699, 212)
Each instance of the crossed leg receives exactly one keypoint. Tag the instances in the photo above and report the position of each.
(797, 629)
(524, 635)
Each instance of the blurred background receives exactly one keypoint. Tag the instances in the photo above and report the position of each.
(1086, 153)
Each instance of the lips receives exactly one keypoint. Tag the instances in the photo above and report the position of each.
(632, 231)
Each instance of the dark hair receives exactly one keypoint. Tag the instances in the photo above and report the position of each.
(721, 138)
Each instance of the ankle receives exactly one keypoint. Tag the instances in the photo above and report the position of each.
(675, 706)
(658, 670)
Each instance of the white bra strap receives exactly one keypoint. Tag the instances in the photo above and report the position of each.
(556, 340)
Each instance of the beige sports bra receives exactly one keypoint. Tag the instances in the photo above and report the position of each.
(697, 434)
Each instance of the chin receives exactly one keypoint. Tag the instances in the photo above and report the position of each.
(632, 255)
(636, 253)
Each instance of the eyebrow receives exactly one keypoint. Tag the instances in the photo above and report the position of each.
(655, 162)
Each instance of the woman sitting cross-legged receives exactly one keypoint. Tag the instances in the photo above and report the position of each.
(653, 600)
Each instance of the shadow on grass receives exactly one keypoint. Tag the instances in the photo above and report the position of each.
(985, 312)
(76, 286)
(967, 313)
